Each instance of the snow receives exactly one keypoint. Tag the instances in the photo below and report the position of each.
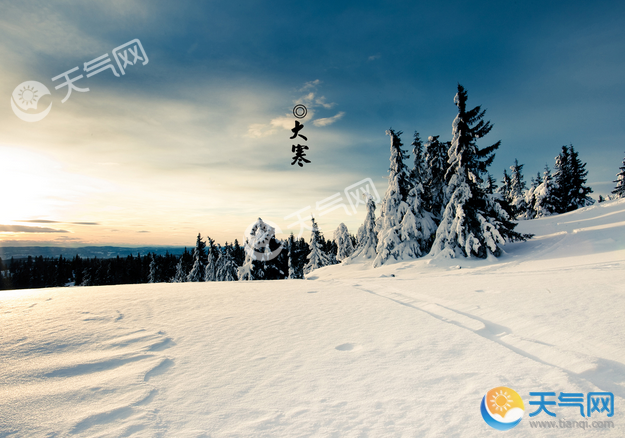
(406, 349)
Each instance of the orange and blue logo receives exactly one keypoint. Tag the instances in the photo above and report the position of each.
(502, 408)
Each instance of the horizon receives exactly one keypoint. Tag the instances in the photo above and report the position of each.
(197, 137)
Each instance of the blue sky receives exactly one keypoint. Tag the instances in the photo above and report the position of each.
(197, 140)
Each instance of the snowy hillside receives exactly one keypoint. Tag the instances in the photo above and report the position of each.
(407, 349)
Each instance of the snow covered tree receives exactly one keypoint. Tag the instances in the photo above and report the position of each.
(517, 190)
(152, 269)
(505, 188)
(570, 179)
(260, 246)
(210, 271)
(344, 243)
(317, 258)
(226, 269)
(474, 223)
(291, 263)
(491, 184)
(180, 276)
(404, 228)
(619, 190)
(417, 172)
(199, 255)
(367, 237)
(245, 272)
(546, 202)
(435, 168)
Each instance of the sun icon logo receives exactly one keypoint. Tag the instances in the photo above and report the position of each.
(26, 96)
(502, 408)
(501, 401)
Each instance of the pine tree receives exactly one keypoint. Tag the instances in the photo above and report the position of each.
(180, 276)
(619, 190)
(517, 190)
(317, 258)
(435, 160)
(291, 263)
(417, 171)
(226, 269)
(246, 271)
(199, 255)
(491, 184)
(405, 229)
(546, 202)
(367, 237)
(343, 242)
(152, 274)
(474, 223)
(506, 188)
(530, 198)
(210, 271)
(570, 178)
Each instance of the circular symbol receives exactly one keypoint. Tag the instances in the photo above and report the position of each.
(300, 111)
(502, 408)
(257, 238)
(25, 96)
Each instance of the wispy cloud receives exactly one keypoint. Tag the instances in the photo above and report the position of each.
(309, 85)
(328, 120)
(45, 221)
(27, 229)
(310, 99)
(373, 57)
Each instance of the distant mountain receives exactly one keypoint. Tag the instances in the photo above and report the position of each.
(102, 252)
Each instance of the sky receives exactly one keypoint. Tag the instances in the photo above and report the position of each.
(197, 139)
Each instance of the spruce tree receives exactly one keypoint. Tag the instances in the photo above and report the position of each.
(417, 171)
(506, 188)
(291, 263)
(180, 276)
(199, 256)
(210, 271)
(344, 243)
(317, 258)
(619, 190)
(226, 269)
(435, 168)
(474, 223)
(517, 190)
(570, 179)
(404, 229)
(367, 237)
(546, 202)
(491, 184)
(245, 272)
(152, 274)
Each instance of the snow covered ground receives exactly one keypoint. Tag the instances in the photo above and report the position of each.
(407, 349)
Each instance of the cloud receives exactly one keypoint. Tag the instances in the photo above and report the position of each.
(328, 120)
(45, 221)
(259, 130)
(373, 57)
(322, 101)
(26, 229)
(310, 100)
(309, 85)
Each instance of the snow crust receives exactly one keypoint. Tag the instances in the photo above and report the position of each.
(406, 349)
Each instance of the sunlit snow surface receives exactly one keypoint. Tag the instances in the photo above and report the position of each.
(351, 352)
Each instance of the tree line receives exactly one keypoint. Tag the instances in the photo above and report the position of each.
(443, 203)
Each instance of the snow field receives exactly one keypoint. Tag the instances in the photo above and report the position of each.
(407, 349)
